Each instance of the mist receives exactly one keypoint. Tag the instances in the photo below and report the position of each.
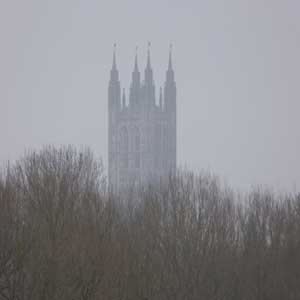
(236, 67)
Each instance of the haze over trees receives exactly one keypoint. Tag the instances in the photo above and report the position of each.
(62, 236)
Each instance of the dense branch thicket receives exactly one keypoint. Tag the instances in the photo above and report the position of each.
(63, 237)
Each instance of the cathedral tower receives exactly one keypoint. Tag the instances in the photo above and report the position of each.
(142, 132)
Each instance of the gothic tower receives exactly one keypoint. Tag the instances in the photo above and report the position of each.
(142, 132)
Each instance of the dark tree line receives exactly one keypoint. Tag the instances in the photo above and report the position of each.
(62, 236)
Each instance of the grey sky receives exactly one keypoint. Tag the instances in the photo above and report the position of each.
(236, 64)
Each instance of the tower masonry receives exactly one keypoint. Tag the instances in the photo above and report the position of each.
(141, 130)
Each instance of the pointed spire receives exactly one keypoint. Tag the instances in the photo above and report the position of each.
(114, 66)
(114, 74)
(160, 98)
(136, 74)
(148, 70)
(148, 56)
(170, 71)
(170, 57)
(136, 69)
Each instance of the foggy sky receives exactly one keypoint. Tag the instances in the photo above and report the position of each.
(236, 64)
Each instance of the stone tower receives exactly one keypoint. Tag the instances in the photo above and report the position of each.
(141, 131)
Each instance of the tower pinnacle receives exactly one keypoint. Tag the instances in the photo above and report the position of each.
(136, 69)
(136, 73)
(170, 71)
(114, 74)
(148, 70)
(148, 56)
(170, 57)
(135, 84)
(114, 66)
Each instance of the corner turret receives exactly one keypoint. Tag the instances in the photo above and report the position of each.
(135, 86)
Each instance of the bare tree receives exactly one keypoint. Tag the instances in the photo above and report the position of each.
(63, 236)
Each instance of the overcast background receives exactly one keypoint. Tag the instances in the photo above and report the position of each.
(236, 64)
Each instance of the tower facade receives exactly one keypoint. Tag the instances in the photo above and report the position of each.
(142, 130)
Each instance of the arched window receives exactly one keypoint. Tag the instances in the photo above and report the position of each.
(137, 147)
(123, 147)
(166, 150)
(158, 145)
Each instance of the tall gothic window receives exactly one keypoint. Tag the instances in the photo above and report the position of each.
(158, 145)
(137, 147)
(123, 147)
(166, 149)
